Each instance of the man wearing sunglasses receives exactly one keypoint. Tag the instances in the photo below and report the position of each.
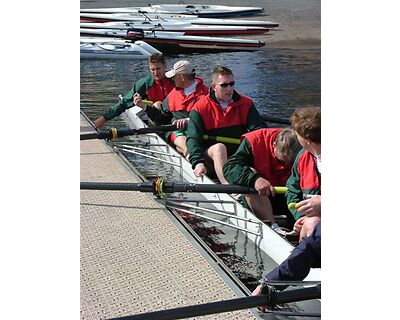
(223, 112)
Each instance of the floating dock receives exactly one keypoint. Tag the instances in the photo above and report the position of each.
(136, 256)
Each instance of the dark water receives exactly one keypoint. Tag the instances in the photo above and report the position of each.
(278, 80)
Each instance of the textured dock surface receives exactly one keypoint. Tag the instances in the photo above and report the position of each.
(134, 259)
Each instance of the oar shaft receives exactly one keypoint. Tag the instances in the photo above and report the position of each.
(201, 309)
(275, 120)
(170, 187)
(272, 298)
(301, 294)
(115, 133)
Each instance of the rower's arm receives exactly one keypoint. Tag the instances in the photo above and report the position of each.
(126, 102)
(254, 120)
(194, 138)
(237, 168)
(294, 192)
(160, 116)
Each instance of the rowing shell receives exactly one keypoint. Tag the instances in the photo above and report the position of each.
(235, 215)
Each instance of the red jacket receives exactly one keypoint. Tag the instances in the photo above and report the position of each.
(265, 162)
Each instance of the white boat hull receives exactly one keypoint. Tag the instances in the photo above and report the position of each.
(97, 48)
(188, 9)
(185, 27)
(159, 18)
(167, 41)
(262, 235)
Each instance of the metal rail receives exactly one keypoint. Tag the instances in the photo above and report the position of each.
(215, 220)
(218, 212)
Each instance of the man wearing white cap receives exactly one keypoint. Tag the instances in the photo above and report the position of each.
(175, 108)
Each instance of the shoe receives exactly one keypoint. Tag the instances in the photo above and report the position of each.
(282, 231)
(236, 196)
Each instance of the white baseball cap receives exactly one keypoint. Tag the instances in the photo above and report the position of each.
(180, 67)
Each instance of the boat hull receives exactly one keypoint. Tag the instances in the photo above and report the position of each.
(160, 18)
(97, 48)
(214, 11)
(185, 28)
(178, 42)
(266, 239)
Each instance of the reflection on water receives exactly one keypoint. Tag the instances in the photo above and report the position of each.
(277, 80)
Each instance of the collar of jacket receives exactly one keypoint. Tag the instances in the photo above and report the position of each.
(235, 97)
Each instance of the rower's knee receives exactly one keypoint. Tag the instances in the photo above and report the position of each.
(218, 149)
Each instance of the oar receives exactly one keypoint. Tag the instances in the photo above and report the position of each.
(275, 120)
(265, 118)
(115, 133)
(222, 139)
(160, 187)
(271, 299)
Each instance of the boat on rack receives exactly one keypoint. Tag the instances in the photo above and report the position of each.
(177, 42)
(185, 27)
(188, 9)
(106, 48)
(159, 18)
(217, 207)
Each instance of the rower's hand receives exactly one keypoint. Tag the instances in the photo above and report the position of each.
(99, 122)
(157, 104)
(181, 123)
(298, 225)
(264, 187)
(138, 101)
(311, 206)
(200, 170)
(257, 292)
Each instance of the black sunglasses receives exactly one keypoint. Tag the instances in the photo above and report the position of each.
(225, 85)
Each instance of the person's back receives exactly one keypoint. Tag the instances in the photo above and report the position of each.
(154, 87)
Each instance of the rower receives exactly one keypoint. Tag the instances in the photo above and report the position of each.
(304, 184)
(223, 112)
(154, 87)
(263, 160)
(189, 88)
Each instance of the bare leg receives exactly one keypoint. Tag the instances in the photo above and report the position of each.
(180, 143)
(261, 206)
(217, 153)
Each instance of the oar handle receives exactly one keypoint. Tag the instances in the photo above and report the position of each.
(292, 205)
(222, 139)
(148, 102)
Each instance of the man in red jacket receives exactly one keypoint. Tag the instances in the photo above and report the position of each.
(154, 87)
(222, 112)
(189, 88)
(263, 160)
